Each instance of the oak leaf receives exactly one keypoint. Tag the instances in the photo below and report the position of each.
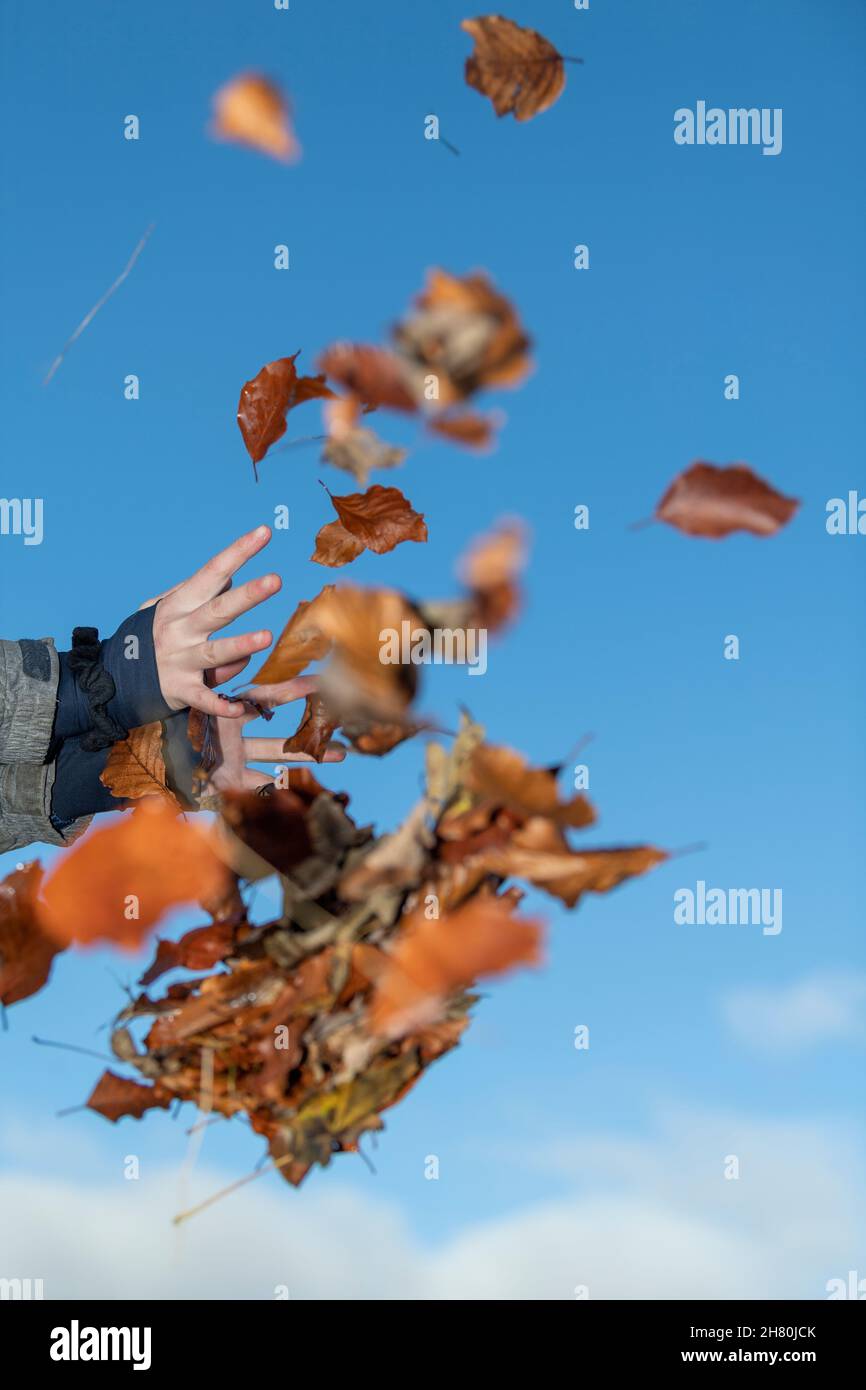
(518, 69)
(252, 111)
(708, 500)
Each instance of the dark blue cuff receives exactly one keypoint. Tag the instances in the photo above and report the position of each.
(129, 658)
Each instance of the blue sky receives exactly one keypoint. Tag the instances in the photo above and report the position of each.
(703, 262)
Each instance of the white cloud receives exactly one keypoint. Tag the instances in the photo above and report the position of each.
(787, 1019)
(648, 1218)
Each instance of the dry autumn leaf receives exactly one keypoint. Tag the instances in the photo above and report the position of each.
(464, 333)
(116, 883)
(252, 111)
(357, 680)
(313, 734)
(471, 430)
(300, 642)
(490, 570)
(26, 953)
(505, 777)
(373, 375)
(708, 500)
(199, 949)
(379, 520)
(359, 451)
(518, 69)
(136, 766)
(434, 958)
(266, 399)
(115, 1096)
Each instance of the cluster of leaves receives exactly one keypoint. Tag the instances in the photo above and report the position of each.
(313, 1024)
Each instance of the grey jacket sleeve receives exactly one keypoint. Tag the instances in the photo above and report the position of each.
(29, 672)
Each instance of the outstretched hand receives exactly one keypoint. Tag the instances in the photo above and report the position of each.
(188, 615)
(234, 750)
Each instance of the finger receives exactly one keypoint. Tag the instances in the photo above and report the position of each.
(223, 609)
(208, 702)
(210, 579)
(227, 673)
(271, 750)
(284, 691)
(224, 651)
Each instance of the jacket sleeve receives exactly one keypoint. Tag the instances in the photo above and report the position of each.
(29, 672)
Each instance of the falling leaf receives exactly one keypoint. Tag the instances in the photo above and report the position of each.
(26, 954)
(274, 826)
(253, 111)
(707, 500)
(199, 949)
(117, 882)
(490, 569)
(395, 861)
(373, 375)
(136, 766)
(519, 71)
(314, 733)
(335, 546)
(357, 680)
(466, 334)
(379, 520)
(539, 853)
(301, 641)
(115, 1096)
(359, 452)
(470, 429)
(434, 958)
(266, 399)
(506, 778)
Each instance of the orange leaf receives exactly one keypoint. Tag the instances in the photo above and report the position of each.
(435, 958)
(335, 546)
(707, 500)
(253, 111)
(506, 778)
(117, 882)
(472, 430)
(300, 642)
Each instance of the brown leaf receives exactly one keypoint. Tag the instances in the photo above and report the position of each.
(253, 111)
(266, 399)
(434, 958)
(491, 568)
(117, 882)
(359, 452)
(397, 860)
(506, 778)
(274, 826)
(357, 682)
(380, 518)
(539, 853)
(375, 376)
(198, 949)
(470, 429)
(466, 334)
(707, 500)
(136, 767)
(115, 1096)
(335, 546)
(314, 733)
(300, 642)
(516, 68)
(26, 954)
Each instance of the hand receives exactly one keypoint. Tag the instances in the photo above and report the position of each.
(186, 618)
(234, 751)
